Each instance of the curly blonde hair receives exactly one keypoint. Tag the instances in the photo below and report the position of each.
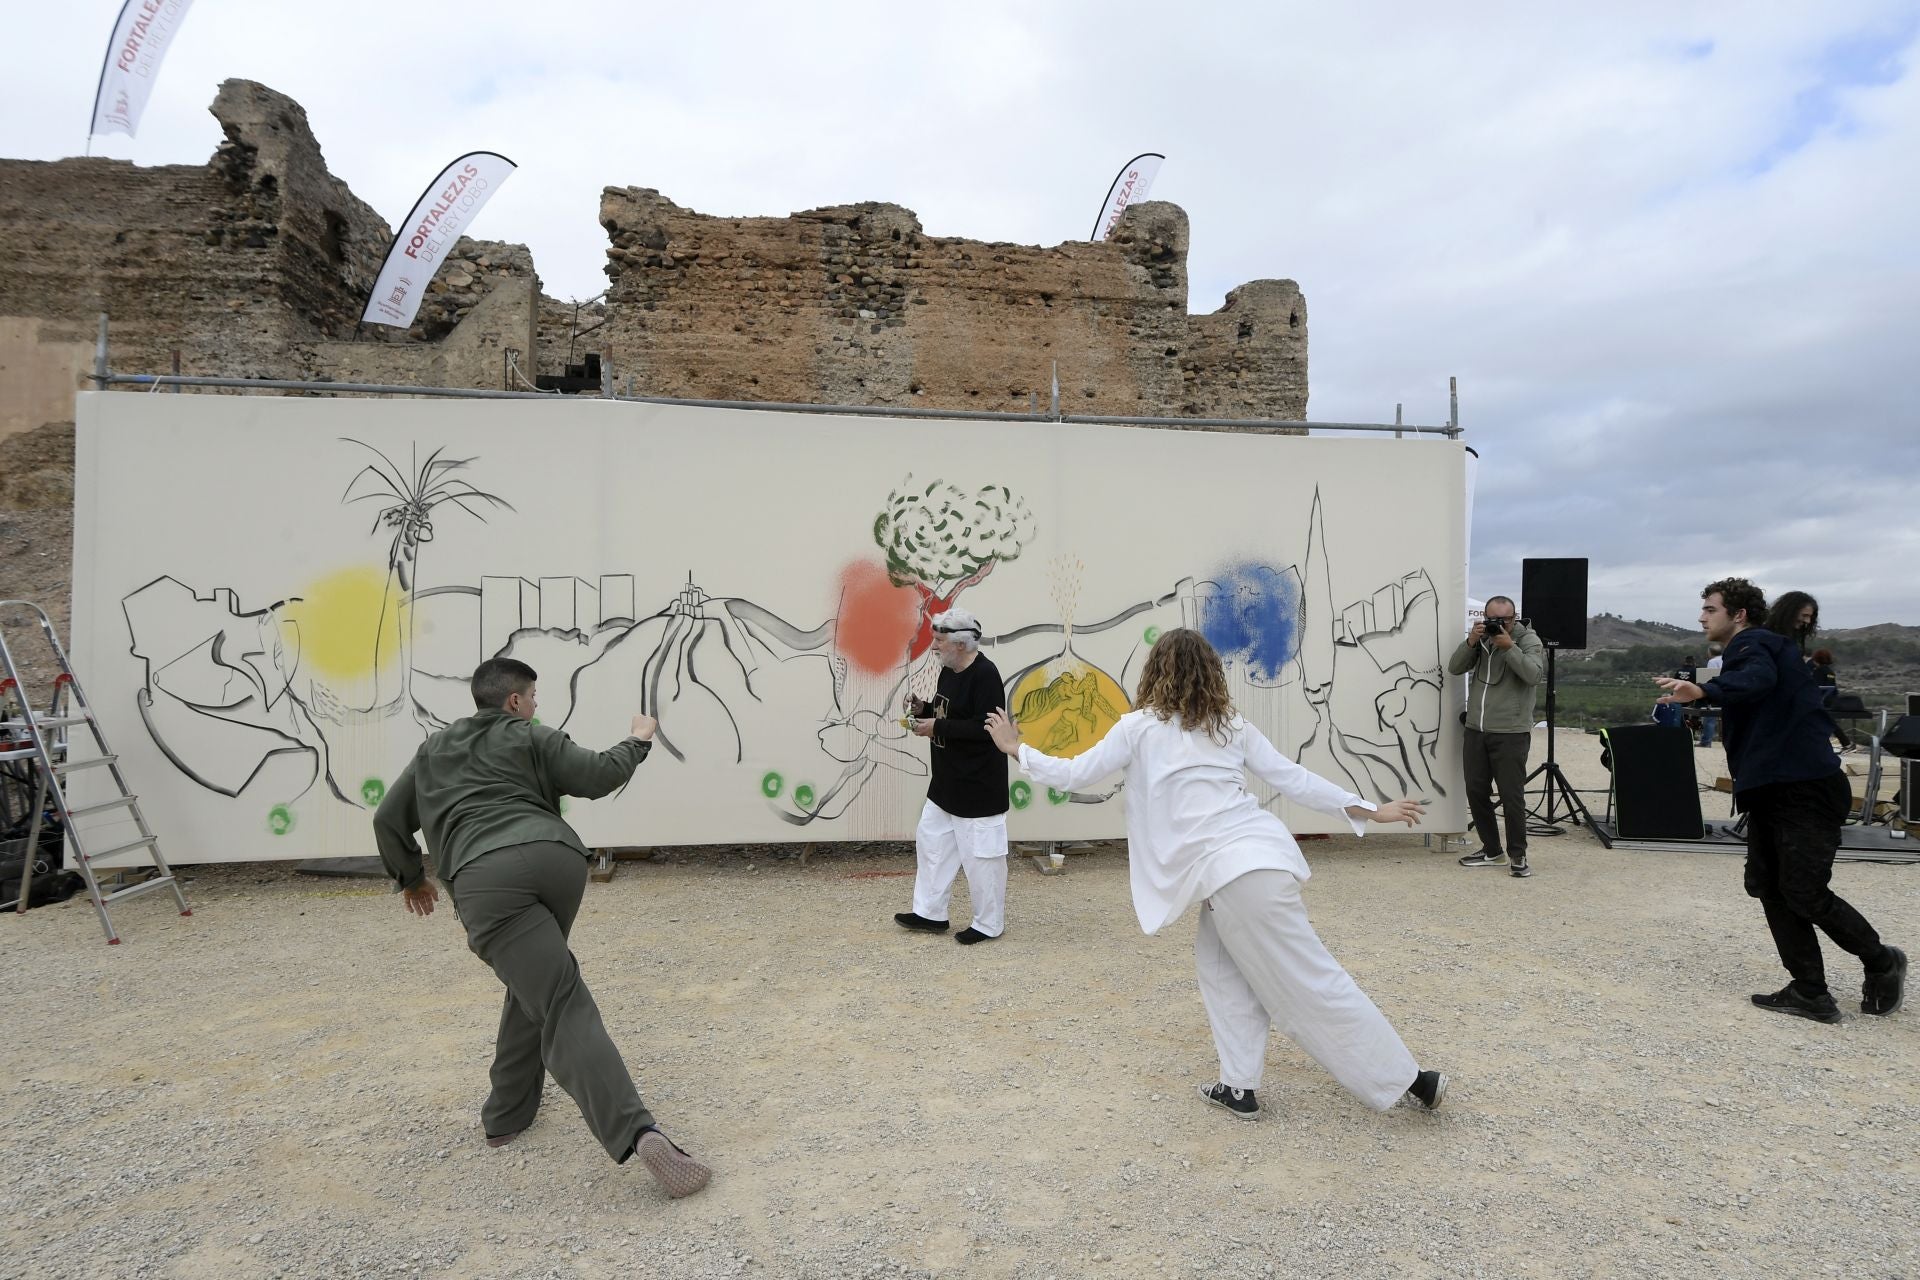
(1183, 677)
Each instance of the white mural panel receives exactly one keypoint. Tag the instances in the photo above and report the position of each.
(276, 599)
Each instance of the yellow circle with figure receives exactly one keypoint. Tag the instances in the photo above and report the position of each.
(1066, 706)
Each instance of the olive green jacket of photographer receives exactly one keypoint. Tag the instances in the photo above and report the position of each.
(1500, 699)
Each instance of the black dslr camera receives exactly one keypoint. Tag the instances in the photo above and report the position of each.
(1494, 626)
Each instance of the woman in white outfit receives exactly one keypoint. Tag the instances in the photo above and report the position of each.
(1195, 834)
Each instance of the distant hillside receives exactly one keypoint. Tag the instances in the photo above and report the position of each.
(1878, 631)
(1611, 631)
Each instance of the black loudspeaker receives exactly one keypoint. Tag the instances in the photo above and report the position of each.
(1655, 796)
(1553, 599)
(1902, 738)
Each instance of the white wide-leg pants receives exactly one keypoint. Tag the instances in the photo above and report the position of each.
(1261, 963)
(946, 845)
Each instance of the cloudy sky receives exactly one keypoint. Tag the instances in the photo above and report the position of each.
(1670, 250)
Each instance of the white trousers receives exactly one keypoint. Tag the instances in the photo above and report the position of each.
(946, 845)
(1261, 964)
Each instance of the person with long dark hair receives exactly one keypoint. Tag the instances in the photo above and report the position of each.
(1795, 615)
(1195, 834)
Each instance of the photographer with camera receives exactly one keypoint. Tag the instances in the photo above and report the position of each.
(1508, 661)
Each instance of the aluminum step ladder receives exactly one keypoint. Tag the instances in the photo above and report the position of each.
(43, 741)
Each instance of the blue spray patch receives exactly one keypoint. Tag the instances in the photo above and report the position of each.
(1254, 617)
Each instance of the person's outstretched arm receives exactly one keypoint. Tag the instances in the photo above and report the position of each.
(1303, 786)
(1109, 755)
(1750, 676)
(576, 771)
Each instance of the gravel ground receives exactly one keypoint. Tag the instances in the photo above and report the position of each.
(286, 1084)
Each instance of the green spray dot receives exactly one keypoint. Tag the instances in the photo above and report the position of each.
(1057, 797)
(563, 804)
(772, 784)
(1020, 794)
(803, 796)
(1151, 635)
(373, 791)
(280, 819)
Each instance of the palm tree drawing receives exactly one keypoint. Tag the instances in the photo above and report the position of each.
(410, 499)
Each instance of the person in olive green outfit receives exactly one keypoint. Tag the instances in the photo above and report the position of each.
(1508, 662)
(486, 792)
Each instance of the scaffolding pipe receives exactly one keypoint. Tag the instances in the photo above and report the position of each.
(151, 381)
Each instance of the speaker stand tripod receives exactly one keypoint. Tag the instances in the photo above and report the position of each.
(1555, 790)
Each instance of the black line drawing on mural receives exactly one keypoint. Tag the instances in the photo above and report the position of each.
(411, 498)
(309, 689)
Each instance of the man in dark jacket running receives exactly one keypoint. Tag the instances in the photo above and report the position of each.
(1788, 782)
(486, 791)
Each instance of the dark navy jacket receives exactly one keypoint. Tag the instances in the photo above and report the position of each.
(1776, 728)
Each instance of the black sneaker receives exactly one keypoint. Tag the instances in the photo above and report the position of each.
(1786, 1000)
(908, 920)
(1238, 1103)
(1484, 858)
(1883, 992)
(970, 935)
(1520, 868)
(1429, 1089)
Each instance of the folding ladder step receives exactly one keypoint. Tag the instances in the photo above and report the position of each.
(68, 766)
(135, 890)
(45, 722)
(92, 809)
(144, 842)
(19, 753)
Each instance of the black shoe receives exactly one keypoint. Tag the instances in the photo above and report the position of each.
(1429, 1089)
(1820, 1008)
(908, 920)
(970, 935)
(1238, 1103)
(1882, 992)
(1484, 858)
(1520, 869)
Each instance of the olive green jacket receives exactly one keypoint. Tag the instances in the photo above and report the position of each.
(490, 781)
(1500, 699)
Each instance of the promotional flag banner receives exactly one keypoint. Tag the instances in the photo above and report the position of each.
(140, 39)
(439, 218)
(1130, 186)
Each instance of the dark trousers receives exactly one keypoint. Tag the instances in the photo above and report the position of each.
(518, 906)
(1498, 760)
(1793, 831)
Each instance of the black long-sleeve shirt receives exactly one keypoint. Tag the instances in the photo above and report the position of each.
(969, 772)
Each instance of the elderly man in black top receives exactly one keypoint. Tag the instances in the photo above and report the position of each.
(964, 823)
(1788, 782)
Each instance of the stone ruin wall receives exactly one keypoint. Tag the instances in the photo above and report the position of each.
(256, 264)
(856, 304)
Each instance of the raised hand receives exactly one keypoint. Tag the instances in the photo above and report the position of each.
(1004, 732)
(1678, 690)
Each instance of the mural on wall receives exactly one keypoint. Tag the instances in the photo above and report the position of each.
(288, 706)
